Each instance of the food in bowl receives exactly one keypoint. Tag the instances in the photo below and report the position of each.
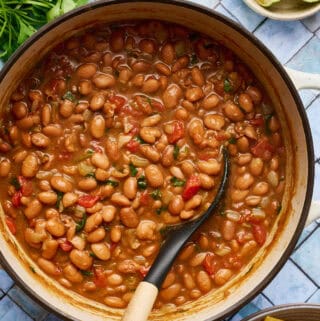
(116, 135)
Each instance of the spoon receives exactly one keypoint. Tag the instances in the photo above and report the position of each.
(146, 292)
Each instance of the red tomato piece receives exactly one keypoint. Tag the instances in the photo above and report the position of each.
(143, 270)
(100, 279)
(16, 199)
(11, 225)
(259, 233)
(178, 132)
(26, 186)
(133, 146)
(113, 246)
(257, 121)
(65, 245)
(209, 264)
(145, 198)
(119, 101)
(88, 200)
(192, 187)
(144, 104)
(158, 106)
(263, 149)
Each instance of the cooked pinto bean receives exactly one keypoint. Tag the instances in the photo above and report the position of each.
(49, 248)
(150, 134)
(93, 222)
(203, 281)
(72, 274)
(232, 111)
(129, 217)
(69, 199)
(81, 259)
(244, 181)
(48, 266)
(210, 167)
(103, 80)
(171, 96)
(55, 227)
(33, 209)
(101, 251)
(210, 101)
(97, 126)
(48, 197)
(61, 184)
(30, 166)
(146, 230)
(5, 167)
(214, 121)
(87, 70)
(222, 276)
(154, 175)
(194, 94)
(130, 187)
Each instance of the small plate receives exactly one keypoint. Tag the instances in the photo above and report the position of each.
(285, 9)
(289, 312)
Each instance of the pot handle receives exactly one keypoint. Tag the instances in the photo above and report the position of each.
(304, 80)
(314, 212)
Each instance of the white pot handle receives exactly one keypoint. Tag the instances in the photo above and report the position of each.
(303, 79)
(314, 212)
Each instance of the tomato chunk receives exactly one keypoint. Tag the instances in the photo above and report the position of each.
(100, 279)
(88, 200)
(11, 225)
(26, 186)
(119, 101)
(16, 199)
(145, 198)
(143, 270)
(209, 264)
(258, 121)
(65, 245)
(192, 187)
(133, 146)
(263, 149)
(259, 233)
(177, 133)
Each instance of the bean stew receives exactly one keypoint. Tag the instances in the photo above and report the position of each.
(116, 134)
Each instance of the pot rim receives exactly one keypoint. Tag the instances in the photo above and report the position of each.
(282, 307)
(211, 13)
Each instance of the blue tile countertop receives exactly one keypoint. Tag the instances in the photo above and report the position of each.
(304, 264)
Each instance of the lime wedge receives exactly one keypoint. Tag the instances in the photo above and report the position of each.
(268, 3)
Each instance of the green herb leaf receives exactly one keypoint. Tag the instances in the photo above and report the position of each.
(87, 155)
(80, 225)
(32, 269)
(142, 182)
(161, 209)
(69, 96)
(176, 152)
(86, 273)
(227, 86)
(156, 194)
(59, 204)
(177, 182)
(133, 170)
(91, 175)
(232, 140)
(116, 73)
(111, 182)
(15, 182)
(194, 59)
(139, 140)
(279, 208)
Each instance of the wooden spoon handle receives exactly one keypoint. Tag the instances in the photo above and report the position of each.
(141, 303)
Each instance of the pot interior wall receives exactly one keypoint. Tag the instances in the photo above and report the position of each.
(214, 305)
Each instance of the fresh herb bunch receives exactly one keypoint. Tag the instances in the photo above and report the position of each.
(21, 18)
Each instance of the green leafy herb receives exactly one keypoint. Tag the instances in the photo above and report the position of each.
(279, 208)
(15, 182)
(156, 194)
(87, 155)
(232, 140)
(177, 182)
(227, 86)
(86, 273)
(32, 269)
(142, 182)
(116, 73)
(139, 140)
(91, 175)
(161, 209)
(176, 152)
(92, 255)
(133, 170)
(59, 204)
(267, 119)
(194, 59)
(69, 96)
(19, 19)
(80, 225)
(111, 182)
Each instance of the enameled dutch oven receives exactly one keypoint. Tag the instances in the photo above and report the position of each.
(298, 141)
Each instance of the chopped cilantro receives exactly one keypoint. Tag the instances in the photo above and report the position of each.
(116, 73)
(279, 208)
(91, 175)
(232, 140)
(156, 194)
(111, 182)
(227, 86)
(176, 152)
(177, 182)
(161, 209)
(82, 223)
(133, 170)
(59, 204)
(267, 119)
(32, 269)
(193, 59)
(87, 155)
(86, 273)
(15, 182)
(142, 182)
(92, 255)
(69, 96)
(139, 140)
